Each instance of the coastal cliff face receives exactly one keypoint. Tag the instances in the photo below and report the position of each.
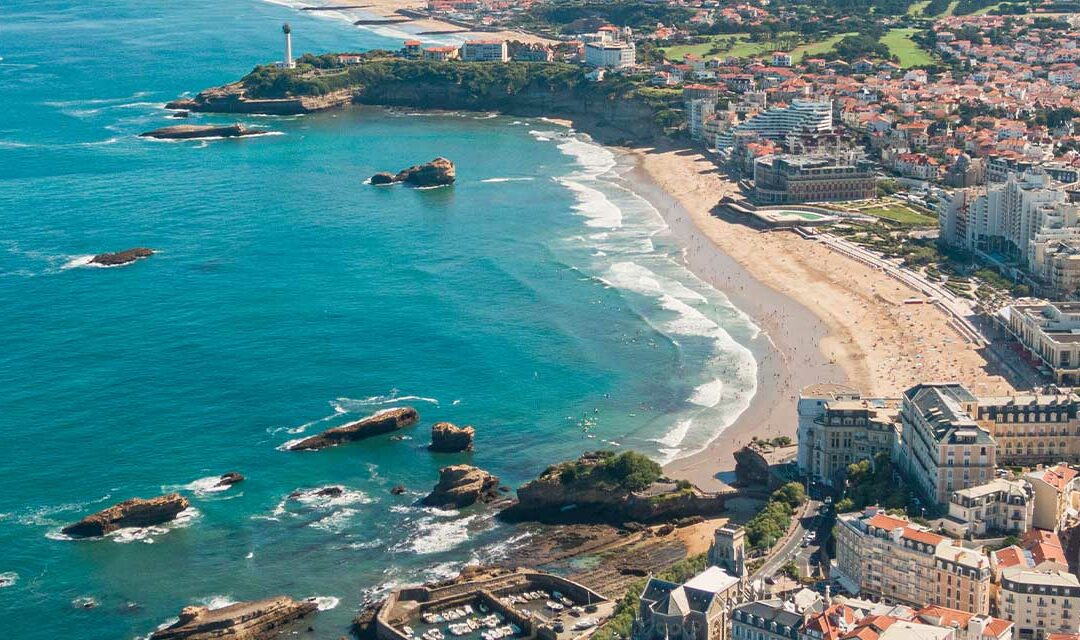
(601, 487)
(232, 98)
(257, 620)
(373, 425)
(130, 513)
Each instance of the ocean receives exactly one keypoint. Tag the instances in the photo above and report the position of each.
(538, 299)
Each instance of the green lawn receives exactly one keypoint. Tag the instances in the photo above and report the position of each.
(918, 8)
(739, 45)
(901, 45)
(898, 211)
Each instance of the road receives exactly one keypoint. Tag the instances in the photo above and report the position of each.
(790, 547)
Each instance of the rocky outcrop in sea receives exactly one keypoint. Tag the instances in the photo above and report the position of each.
(127, 256)
(256, 620)
(382, 422)
(462, 485)
(437, 173)
(135, 512)
(232, 98)
(447, 437)
(188, 131)
(230, 478)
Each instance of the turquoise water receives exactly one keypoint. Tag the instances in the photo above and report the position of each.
(537, 299)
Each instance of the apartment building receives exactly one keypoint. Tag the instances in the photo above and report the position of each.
(485, 51)
(1050, 331)
(800, 118)
(889, 557)
(1056, 497)
(999, 506)
(792, 179)
(610, 55)
(942, 448)
(1034, 428)
(838, 427)
(765, 620)
(1039, 603)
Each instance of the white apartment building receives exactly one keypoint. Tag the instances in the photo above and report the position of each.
(838, 427)
(484, 51)
(1050, 331)
(610, 55)
(698, 111)
(1039, 603)
(801, 117)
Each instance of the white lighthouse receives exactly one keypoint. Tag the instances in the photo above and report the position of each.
(287, 30)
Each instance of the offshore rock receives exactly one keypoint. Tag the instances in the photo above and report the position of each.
(256, 620)
(127, 256)
(382, 177)
(377, 424)
(462, 485)
(130, 513)
(229, 479)
(436, 173)
(187, 131)
(450, 438)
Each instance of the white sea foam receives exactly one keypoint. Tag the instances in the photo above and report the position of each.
(351, 404)
(325, 603)
(708, 394)
(497, 180)
(593, 205)
(216, 601)
(209, 484)
(634, 277)
(8, 579)
(336, 522)
(437, 533)
(147, 535)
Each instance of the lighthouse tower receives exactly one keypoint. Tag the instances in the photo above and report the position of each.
(287, 30)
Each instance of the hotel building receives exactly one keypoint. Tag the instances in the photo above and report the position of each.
(890, 557)
(942, 448)
(789, 179)
(801, 118)
(1033, 429)
(838, 427)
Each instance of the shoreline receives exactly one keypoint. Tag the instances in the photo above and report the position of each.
(787, 360)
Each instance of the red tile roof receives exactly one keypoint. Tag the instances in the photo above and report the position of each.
(882, 521)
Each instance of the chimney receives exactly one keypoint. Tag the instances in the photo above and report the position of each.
(828, 596)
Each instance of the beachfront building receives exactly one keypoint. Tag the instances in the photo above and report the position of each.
(942, 447)
(838, 427)
(889, 557)
(1039, 603)
(1050, 332)
(792, 179)
(413, 49)
(999, 506)
(484, 51)
(610, 55)
(698, 112)
(695, 610)
(809, 118)
(441, 54)
(1033, 428)
(1056, 496)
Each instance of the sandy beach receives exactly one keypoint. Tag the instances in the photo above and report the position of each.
(824, 317)
(387, 10)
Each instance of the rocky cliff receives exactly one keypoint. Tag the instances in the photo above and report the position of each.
(587, 491)
(462, 485)
(232, 99)
(257, 620)
(450, 438)
(130, 513)
(373, 425)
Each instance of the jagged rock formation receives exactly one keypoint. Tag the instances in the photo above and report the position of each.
(751, 468)
(188, 131)
(397, 490)
(229, 479)
(256, 620)
(130, 513)
(439, 172)
(450, 438)
(601, 487)
(373, 425)
(126, 256)
(462, 485)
